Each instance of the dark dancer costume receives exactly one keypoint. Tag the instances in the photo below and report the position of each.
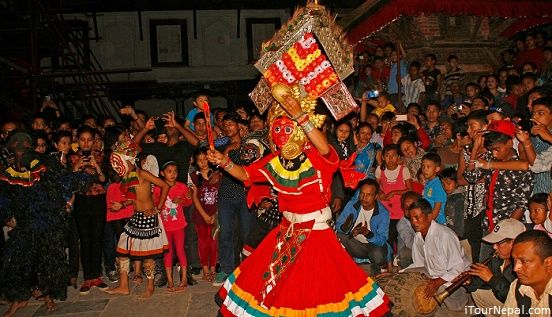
(32, 190)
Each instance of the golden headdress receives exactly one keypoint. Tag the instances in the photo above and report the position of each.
(310, 55)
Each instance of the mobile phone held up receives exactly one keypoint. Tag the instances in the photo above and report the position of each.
(401, 117)
(159, 126)
(525, 125)
(86, 155)
(371, 94)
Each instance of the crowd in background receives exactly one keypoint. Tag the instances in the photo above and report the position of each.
(479, 150)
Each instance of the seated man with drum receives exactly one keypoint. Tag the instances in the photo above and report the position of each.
(490, 283)
(363, 226)
(437, 253)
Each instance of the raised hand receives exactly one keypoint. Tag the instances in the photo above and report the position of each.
(169, 117)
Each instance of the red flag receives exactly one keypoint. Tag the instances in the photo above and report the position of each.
(351, 177)
(207, 113)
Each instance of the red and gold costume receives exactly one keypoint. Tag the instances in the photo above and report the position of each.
(300, 268)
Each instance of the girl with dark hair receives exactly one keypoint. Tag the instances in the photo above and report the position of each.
(89, 210)
(205, 199)
(394, 180)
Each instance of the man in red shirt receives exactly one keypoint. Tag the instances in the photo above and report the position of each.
(532, 53)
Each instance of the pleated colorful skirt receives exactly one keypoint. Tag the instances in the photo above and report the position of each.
(301, 271)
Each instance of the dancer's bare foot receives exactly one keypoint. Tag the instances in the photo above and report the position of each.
(14, 307)
(49, 302)
(118, 291)
(147, 293)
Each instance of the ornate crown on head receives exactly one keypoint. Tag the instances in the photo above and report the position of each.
(309, 50)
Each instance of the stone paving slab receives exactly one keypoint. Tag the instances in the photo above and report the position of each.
(195, 301)
(64, 308)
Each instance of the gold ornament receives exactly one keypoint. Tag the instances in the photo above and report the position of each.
(297, 140)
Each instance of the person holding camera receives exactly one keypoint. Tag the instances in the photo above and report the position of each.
(507, 191)
(89, 211)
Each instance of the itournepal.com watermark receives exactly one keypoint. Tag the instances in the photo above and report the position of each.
(508, 311)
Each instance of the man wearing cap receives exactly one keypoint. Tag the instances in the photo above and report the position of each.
(490, 283)
(500, 112)
(507, 191)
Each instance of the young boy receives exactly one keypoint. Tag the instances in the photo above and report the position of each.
(507, 191)
(144, 237)
(405, 230)
(432, 78)
(433, 111)
(454, 74)
(199, 99)
(472, 90)
(454, 208)
(381, 104)
(433, 189)
(413, 85)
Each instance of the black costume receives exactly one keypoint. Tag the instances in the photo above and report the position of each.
(34, 256)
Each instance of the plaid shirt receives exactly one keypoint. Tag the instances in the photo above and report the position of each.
(511, 190)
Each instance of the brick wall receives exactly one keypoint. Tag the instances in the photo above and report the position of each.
(429, 25)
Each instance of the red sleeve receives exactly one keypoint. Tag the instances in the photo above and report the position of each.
(329, 161)
(256, 194)
(424, 138)
(254, 170)
(387, 138)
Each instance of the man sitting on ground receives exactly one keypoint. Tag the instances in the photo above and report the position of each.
(531, 292)
(363, 226)
(437, 253)
(490, 283)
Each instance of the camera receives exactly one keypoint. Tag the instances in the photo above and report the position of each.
(526, 125)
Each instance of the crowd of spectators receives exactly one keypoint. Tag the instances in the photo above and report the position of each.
(478, 151)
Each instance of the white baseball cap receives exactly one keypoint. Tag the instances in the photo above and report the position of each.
(505, 229)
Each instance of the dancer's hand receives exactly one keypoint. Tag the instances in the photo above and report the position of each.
(291, 106)
(215, 157)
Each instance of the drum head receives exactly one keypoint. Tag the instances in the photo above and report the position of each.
(406, 291)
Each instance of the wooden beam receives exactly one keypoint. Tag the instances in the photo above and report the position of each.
(357, 14)
(395, 29)
(496, 31)
(476, 27)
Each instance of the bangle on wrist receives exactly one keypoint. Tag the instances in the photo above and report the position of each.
(225, 163)
(307, 127)
(229, 166)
